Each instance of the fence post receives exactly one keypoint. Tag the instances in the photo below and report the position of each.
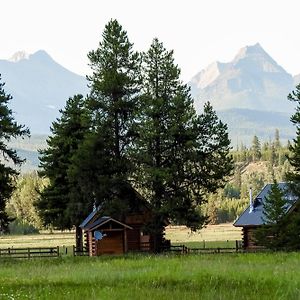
(28, 252)
(203, 244)
(73, 250)
(236, 246)
(57, 250)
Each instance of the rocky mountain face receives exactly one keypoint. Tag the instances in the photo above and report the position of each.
(252, 80)
(249, 93)
(39, 87)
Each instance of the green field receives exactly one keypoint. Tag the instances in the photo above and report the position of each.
(209, 276)
(213, 235)
(203, 276)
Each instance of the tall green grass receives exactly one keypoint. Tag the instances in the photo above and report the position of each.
(228, 276)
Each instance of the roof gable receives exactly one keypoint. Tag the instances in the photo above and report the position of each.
(104, 220)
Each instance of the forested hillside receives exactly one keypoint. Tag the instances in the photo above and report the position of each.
(255, 166)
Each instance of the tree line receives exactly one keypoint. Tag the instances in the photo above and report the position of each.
(254, 166)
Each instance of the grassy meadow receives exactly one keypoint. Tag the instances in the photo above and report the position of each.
(208, 276)
(218, 235)
(136, 276)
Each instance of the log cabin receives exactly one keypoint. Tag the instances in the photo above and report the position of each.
(123, 232)
(252, 218)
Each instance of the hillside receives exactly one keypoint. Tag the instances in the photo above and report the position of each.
(28, 148)
(243, 124)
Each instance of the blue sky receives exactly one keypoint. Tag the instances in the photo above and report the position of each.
(200, 32)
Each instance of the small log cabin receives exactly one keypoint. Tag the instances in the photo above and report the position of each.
(120, 233)
(252, 218)
(107, 236)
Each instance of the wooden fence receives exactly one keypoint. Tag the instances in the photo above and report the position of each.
(145, 247)
(182, 249)
(29, 252)
(80, 251)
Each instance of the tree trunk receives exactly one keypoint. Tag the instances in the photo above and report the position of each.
(79, 239)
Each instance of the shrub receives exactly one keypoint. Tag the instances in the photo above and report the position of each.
(19, 227)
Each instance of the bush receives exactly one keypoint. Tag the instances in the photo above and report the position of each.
(19, 227)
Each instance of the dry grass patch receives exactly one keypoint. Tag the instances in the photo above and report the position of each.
(221, 232)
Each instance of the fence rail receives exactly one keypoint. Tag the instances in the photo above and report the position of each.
(35, 252)
(29, 252)
(183, 249)
(80, 251)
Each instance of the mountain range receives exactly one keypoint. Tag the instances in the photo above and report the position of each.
(249, 94)
(39, 87)
(252, 80)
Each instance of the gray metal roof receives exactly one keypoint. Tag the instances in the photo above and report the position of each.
(255, 217)
(99, 221)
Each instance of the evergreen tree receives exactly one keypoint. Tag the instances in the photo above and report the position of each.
(9, 129)
(277, 143)
(256, 149)
(272, 234)
(57, 206)
(179, 155)
(294, 158)
(273, 206)
(113, 102)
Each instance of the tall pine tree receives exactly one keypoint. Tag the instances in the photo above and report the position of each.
(256, 149)
(179, 155)
(273, 233)
(9, 129)
(113, 102)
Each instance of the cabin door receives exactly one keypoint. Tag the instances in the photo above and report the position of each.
(112, 243)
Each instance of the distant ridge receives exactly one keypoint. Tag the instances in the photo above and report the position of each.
(243, 124)
(40, 87)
